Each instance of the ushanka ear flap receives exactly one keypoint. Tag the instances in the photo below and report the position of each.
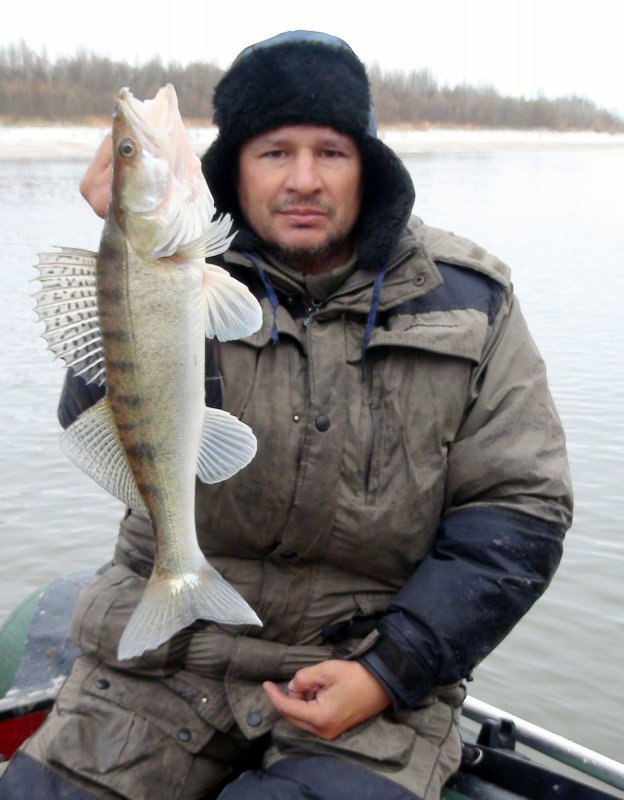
(387, 200)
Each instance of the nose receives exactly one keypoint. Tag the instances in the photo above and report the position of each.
(304, 176)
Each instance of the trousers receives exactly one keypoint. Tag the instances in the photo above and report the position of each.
(113, 736)
(292, 778)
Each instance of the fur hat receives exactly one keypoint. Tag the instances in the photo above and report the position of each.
(304, 77)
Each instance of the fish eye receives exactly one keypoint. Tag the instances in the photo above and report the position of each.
(125, 148)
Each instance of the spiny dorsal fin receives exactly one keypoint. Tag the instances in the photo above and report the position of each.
(67, 305)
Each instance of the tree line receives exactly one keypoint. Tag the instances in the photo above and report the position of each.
(83, 87)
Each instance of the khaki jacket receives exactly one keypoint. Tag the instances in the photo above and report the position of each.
(357, 465)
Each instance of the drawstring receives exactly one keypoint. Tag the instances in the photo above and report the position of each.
(270, 293)
(372, 315)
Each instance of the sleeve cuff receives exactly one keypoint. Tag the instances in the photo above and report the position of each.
(405, 680)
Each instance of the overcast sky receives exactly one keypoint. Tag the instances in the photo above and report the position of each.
(522, 47)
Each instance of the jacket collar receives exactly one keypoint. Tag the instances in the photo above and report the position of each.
(410, 272)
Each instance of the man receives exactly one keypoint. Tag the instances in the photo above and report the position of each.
(405, 509)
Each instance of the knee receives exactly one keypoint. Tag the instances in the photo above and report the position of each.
(314, 777)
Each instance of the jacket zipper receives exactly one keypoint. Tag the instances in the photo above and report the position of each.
(370, 479)
(370, 485)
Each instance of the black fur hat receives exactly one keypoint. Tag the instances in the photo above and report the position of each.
(303, 77)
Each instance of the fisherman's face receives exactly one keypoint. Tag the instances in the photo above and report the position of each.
(299, 189)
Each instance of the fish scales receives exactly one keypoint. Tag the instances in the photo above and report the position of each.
(157, 300)
(163, 356)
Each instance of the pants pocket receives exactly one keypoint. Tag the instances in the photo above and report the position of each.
(417, 749)
(131, 735)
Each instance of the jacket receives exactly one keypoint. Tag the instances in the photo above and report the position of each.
(408, 500)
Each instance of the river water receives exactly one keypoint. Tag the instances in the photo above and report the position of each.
(556, 215)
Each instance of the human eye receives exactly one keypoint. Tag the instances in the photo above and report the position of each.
(332, 153)
(273, 153)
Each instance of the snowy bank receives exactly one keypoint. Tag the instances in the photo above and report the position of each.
(79, 142)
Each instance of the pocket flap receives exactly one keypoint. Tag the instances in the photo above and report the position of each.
(459, 333)
(150, 698)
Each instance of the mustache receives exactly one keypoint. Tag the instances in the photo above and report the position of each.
(313, 204)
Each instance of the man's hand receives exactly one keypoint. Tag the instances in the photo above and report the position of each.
(95, 185)
(329, 698)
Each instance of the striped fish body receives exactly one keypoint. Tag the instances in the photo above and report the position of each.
(153, 340)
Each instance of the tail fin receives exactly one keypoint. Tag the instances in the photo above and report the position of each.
(171, 604)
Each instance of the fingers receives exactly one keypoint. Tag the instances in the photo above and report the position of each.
(304, 714)
(95, 185)
(329, 698)
(309, 680)
(288, 705)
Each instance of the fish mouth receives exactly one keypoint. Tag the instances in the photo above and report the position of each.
(153, 118)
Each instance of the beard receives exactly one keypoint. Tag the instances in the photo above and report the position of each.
(310, 259)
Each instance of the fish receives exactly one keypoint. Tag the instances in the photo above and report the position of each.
(134, 318)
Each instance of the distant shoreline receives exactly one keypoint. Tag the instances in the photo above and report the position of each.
(79, 142)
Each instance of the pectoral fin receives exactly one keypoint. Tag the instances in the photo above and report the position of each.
(93, 444)
(227, 445)
(67, 305)
(215, 239)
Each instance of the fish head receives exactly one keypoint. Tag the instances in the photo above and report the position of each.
(160, 198)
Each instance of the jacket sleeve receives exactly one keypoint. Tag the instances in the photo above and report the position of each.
(76, 396)
(508, 505)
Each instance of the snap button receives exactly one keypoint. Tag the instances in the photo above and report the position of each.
(102, 683)
(419, 280)
(322, 423)
(254, 719)
(184, 735)
(296, 417)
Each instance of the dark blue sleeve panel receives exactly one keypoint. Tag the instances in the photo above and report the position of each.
(76, 396)
(488, 566)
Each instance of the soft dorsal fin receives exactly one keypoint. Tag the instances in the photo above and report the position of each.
(67, 305)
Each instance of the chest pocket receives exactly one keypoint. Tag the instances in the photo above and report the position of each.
(407, 408)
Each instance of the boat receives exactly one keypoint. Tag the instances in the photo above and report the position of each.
(504, 756)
